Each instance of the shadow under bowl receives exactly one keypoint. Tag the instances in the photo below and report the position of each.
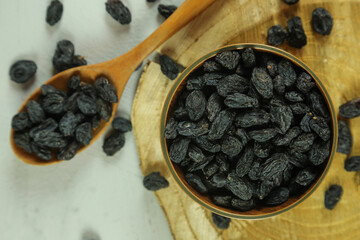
(205, 201)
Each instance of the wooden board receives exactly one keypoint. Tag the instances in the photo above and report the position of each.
(335, 59)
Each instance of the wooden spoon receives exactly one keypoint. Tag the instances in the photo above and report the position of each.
(118, 70)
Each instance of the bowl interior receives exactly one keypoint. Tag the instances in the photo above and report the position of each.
(205, 201)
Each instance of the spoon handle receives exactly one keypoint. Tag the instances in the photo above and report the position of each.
(184, 14)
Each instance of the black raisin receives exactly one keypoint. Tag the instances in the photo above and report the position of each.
(317, 104)
(49, 139)
(239, 100)
(255, 170)
(350, 109)
(220, 125)
(168, 67)
(320, 127)
(299, 108)
(272, 68)
(204, 143)
(178, 150)
(231, 146)
(20, 121)
(195, 83)
(54, 12)
(195, 104)
(279, 85)
(213, 106)
(352, 164)
(276, 35)
(89, 90)
(221, 200)
(274, 167)
(95, 121)
(22, 139)
(263, 135)
(220, 221)
(154, 181)
(118, 11)
(67, 124)
(113, 143)
(242, 205)
(83, 133)
(262, 150)
(305, 122)
(239, 187)
(265, 188)
(48, 89)
(35, 112)
(170, 131)
(287, 72)
(104, 109)
(294, 96)
(319, 152)
(245, 161)
(69, 151)
(49, 124)
(252, 118)
(212, 79)
(233, 83)
(87, 105)
(305, 176)
(296, 35)
(63, 55)
(22, 71)
(298, 159)
(196, 154)
(321, 21)
(166, 10)
(281, 114)
(248, 58)
(277, 196)
(223, 162)
(218, 180)
(74, 83)
(305, 82)
(332, 196)
(285, 139)
(228, 59)
(345, 140)
(211, 66)
(195, 182)
(210, 169)
(42, 152)
(106, 90)
(242, 135)
(303, 142)
(191, 129)
(262, 82)
(54, 104)
(121, 124)
(71, 103)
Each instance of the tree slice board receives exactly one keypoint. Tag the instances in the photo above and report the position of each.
(336, 61)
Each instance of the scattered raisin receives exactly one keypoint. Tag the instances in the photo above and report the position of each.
(220, 221)
(276, 35)
(22, 71)
(118, 11)
(154, 181)
(296, 35)
(321, 21)
(332, 196)
(166, 10)
(345, 140)
(54, 12)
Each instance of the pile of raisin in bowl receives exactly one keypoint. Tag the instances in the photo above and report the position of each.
(249, 130)
(59, 123)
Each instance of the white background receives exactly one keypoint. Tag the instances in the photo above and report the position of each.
(92, 196)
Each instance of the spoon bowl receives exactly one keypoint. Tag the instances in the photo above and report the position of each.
(117, 71)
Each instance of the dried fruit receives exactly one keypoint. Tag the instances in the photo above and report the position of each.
(252, 118)
(262, 150)
(49, 124)
(321, 21)
(195, 105)
(210, 169)
(67, 124)
(220, 221)
(296, 35)
(273, 168)
(46, 138)
(54, 104)
(239, 187)
(294, 96)
(191, 129)
(204, 143)
(242, 135)
(213, 106)
(319, 152)
(212, 79)
(239, 100)
(262, 82)
(350, 109)
(83, 133)
(48, 89)
(43, 153)
(277, 196)
(87, 105)
(196, 83)
(281, 114)
(276, 35)
(195, 182)
(248, 58)
(218, 180)
(303, 142)
(178, 150)
(232, 84)
(242, 205)
(106, 90)
(223, 162)
(121, 124)
(69, 151)
(54, 12)
(285, 139)
(317, 104)
(35, 112)
(272, 68)
(263, 135)
(332, 196)
(255, 170)
(22, 71)
(320, 127)
(245, 161)
(22, 139)
(166, 10)
(168, 67)
(299, 108)
(196, 154)
(305, 122)
(74, 83)
(104, 109)
(305, 176)
(170, 131)
(345, 140)
(352, 164)
(305, 82)
(114, 142)
(154, 181)
(211, 66)
(221, 200)
(118, 11)
(287, 72)
(64, 56)
(231, 146)
(220, 125)
(20, 121)
(228, 59)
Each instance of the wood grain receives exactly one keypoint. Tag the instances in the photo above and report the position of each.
(335, 60)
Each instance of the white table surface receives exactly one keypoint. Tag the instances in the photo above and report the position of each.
(91, 195)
